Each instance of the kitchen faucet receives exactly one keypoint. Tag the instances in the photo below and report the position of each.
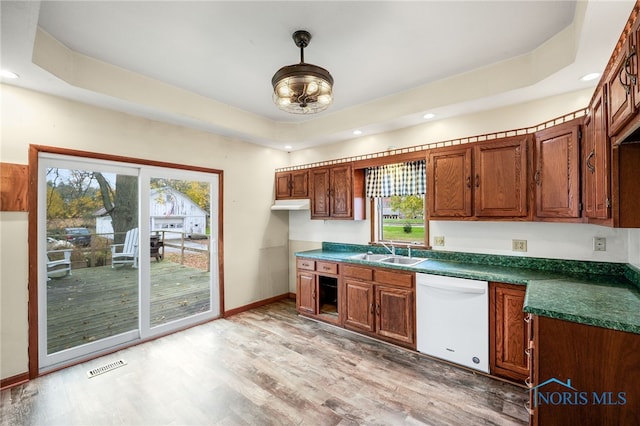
(391, 250)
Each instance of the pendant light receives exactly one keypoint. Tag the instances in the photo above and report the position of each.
(302, 88)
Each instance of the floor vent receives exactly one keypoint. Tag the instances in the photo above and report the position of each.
(106, 368)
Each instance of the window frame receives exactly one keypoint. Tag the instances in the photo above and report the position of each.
(374, 219)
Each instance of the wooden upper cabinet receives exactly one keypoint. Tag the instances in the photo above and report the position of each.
(500, 177)
(449, 182)
(596, 160)
(483, 180)
(292, 184)
(620, 83)
(557, 171)
(340, 192)
(337, 192)
(320, 193)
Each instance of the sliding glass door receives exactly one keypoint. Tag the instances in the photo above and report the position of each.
(126, 252)
(182, 217)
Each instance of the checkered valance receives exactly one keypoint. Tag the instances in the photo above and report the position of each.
(397, 179)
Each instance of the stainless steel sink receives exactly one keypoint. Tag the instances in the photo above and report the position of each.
(392, 259)
(403, 260)
(370, 257)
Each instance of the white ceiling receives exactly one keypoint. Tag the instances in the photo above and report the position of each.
(208, 64)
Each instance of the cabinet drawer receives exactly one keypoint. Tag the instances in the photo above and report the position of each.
(309, 265)
(364, 274)
(329, 268)
(399, 279)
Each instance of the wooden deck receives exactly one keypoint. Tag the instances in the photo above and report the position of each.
(94, 303)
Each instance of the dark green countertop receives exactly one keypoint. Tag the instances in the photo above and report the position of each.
(594, 293)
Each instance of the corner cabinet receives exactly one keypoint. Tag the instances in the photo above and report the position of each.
(292, 184)
(337, 192)
(557, 171)
(508, 339)
(601, 365)
(482, 180)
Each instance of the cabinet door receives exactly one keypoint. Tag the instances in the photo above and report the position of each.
(283, 185)
(306, 293)
(320, 193)
(557, 175)
(299, 186)
(359, 305)
(341, 195)
(602, 365)
(509, 337)
(395, 314)
(596, 164)
(500, 178)
(620, 89)
(449, 182)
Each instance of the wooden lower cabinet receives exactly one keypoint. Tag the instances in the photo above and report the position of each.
(306, 292)
(395, 314)
(508, 339)
(317, 290)
(359, 305)
(584, 374)
(380, 303)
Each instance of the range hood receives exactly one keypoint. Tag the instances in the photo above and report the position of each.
(302, 204)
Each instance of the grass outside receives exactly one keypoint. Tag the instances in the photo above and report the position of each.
(397, 233)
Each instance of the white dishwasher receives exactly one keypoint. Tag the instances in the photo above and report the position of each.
(453, 319)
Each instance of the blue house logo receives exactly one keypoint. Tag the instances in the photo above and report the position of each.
(569, 395)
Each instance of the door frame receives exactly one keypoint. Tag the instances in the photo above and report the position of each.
(33, 232)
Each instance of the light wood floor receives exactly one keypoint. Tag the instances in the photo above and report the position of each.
(262, 367)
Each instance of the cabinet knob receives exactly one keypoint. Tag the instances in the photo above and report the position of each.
(477, 180)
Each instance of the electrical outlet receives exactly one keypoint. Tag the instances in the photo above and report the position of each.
(519, 245)
(438, 241)
(599, 244)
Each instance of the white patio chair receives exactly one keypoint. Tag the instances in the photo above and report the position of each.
(54, 267)
(128, 252)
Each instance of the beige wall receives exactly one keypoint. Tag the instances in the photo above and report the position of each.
(256, 244)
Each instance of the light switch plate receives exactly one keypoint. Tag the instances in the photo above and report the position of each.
(438, 241)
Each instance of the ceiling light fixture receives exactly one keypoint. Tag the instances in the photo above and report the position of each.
(590, 76)
(8, 74)
(428, 116)
(302, 88)
(357, 132)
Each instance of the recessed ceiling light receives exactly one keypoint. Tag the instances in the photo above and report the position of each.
(428, 116)
(8, 74)
(590, 76)
(288, 147)
(357, 132)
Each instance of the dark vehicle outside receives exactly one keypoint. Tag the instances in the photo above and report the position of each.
(78, 236)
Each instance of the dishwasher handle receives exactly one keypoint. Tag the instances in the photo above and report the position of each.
(454, 288)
